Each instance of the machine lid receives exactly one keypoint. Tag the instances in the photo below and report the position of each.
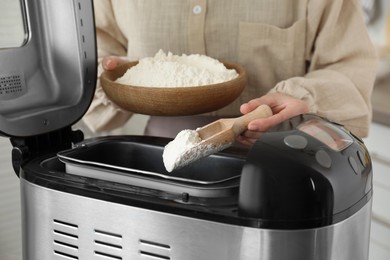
(48, 72)
(306, 172)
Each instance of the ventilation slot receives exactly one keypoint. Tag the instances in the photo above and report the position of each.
(11, 86)
(81, 29)
(107, 245)
(154, 250)
(65, 240)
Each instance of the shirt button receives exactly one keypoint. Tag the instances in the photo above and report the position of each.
(197, 9)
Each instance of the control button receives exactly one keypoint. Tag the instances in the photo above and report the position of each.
(354, 164)
(197, 9)
(295, 141)
(323, 159)
(362, 158)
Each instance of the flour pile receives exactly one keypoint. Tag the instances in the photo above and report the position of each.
(176, 149)
(188, 147)
(171, 71)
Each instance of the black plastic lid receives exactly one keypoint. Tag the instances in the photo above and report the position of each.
(297, 175)
(48, 83)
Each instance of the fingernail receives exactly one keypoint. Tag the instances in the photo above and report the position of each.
(109, 63)
(252, 127)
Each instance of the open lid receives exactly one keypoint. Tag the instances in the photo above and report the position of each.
(48, 67)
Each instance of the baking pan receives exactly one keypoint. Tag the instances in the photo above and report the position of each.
(138, 161)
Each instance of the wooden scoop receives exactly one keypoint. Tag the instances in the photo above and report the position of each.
(219, 135)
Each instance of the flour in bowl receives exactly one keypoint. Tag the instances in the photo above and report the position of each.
(171, 71)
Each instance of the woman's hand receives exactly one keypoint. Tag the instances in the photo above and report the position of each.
(283, 107)
(111, 62)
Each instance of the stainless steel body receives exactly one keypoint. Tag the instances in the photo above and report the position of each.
(59, 225)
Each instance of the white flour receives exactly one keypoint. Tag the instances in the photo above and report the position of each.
(186, 148)
(174, 150)
(170, 71)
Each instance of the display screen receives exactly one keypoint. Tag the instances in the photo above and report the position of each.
(326, 133)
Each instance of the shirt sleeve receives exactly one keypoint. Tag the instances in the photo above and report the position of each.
(102, 115)
(341, 65)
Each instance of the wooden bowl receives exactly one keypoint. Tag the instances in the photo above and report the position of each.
(175, 101)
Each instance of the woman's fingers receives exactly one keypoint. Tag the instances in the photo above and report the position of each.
(283, 108)
(111, 62)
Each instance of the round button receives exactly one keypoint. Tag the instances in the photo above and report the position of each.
(354, 165)
(295, 141)
(323, 159)
(197, 9)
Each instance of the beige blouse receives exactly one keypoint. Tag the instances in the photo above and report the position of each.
(315, 50)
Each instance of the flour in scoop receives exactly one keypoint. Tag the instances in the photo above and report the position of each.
(174, 150)
(186, 148)
(170, 71)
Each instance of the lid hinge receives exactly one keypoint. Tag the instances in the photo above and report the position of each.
(27, 148)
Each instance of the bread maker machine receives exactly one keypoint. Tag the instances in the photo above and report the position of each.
(303, 191)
